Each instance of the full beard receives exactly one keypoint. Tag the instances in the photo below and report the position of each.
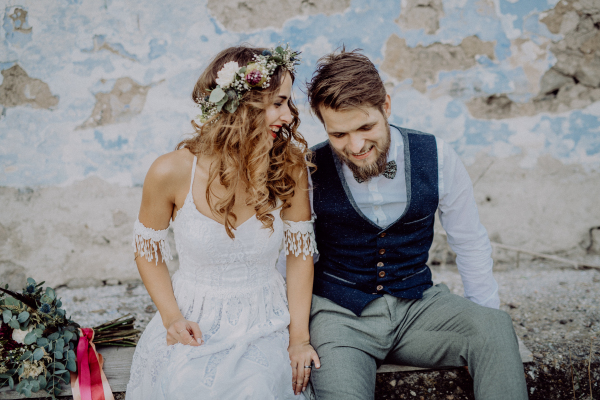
(376, 168)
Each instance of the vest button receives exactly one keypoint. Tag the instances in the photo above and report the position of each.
(382, 251)
(381, 274)
(379, 288)
(380, 264)
(382, 234)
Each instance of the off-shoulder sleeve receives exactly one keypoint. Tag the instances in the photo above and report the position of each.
(300, 238)
(147, 242)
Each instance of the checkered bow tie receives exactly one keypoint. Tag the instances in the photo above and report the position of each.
(390, 171)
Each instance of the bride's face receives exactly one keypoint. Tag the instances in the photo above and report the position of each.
(278, 111)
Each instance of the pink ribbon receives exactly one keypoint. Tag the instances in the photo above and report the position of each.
(89, 382)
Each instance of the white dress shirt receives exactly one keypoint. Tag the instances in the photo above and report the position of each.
(383, 201)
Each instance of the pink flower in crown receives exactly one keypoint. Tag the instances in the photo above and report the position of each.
(255, 75)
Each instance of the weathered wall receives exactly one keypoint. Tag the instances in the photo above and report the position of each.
(91, 92)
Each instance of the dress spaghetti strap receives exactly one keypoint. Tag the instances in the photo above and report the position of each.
(193, 173)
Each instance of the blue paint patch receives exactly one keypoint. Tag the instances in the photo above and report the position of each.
(158, 48)
(110, 144)
(18, 33)
(454, 109)
(522, 9)
(100, 40)
(85, 68)
(204, 38)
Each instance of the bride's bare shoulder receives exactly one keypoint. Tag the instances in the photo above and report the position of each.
(171, 168)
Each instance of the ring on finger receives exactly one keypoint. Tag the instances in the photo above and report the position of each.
(178, 332)
(307, 366)
(189, 341)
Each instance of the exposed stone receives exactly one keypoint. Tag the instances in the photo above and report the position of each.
(421, 14)
(247, 15)
(574, 81)
(100, 44)
(19, 89)
(422, 64)
(13, 275)
(123, 102)
(19, 20)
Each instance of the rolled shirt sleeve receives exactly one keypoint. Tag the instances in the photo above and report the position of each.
(466, 235)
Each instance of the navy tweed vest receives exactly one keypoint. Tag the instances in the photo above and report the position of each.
(360, 261)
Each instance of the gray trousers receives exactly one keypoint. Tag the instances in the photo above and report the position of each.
(439, 330)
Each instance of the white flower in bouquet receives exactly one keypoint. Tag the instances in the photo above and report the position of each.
(32, 369)
(19, 335)
(226, 75)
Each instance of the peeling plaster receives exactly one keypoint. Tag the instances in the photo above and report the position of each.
(19, 89)
(422, 64)
(421, 14)
(123, 102)
(573, 82)
(247, 15)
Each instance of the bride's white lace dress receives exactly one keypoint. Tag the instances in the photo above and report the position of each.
(233, 290)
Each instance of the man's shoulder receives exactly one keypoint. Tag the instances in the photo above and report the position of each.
(319, 146)
(411, 131)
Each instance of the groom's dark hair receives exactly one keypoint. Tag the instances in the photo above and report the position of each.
(345, 80)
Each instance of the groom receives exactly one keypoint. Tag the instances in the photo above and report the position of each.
(376, 189)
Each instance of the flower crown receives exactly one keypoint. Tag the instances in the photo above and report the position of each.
(233, 81)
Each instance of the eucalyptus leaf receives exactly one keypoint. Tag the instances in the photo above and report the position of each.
(71, 355)
(20, 386)
(4, 376)
(27, 355)
(50, 346)
(42, 341)
(11, 301)
(35, 386)
(38, 354)
(277, 59)
(60, 344)
(13, 323)
(57, 365)
(58, 354)
(68, 336)
(26, 391)
(20, 369)
(242, 70)
(42, 327)
(50, 292)
(54, 336)
(38, 332)
(60, 312)
(30, 338)
(25, 325)
(11, 382)
(6, 316)
(279, 49)
(23, 317)
(72, 365)
(42, 381)
(58, 303)
(232, 105)
(60, 371)
(30, 281)
(216, 95)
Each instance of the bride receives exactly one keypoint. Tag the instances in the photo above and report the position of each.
(235, 193)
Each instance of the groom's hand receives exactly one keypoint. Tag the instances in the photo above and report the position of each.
(302, 355)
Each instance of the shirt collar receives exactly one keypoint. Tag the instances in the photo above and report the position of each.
(395, 143)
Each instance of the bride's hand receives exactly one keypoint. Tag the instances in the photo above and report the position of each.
(185, 332)
(302, 355)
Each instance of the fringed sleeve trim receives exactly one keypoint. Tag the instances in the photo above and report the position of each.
(300, 238)
(147, 242)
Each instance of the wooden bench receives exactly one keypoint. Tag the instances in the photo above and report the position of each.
(117, 363)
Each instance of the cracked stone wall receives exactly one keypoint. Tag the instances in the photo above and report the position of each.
(92, 92)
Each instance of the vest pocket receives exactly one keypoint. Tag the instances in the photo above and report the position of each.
(420, 219)
(338, 278)
(425, 268)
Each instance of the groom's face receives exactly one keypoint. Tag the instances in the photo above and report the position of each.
(360, 137)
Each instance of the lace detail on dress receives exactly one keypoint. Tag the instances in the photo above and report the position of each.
(147, 242)
(300, 238)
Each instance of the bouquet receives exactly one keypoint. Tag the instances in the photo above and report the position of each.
(38, 342)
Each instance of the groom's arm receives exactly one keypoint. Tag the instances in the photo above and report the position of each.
(466, 235)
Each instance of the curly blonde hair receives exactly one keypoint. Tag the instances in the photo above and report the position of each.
(244, 153)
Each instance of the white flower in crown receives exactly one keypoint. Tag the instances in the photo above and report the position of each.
(227, 74)
(19, 335)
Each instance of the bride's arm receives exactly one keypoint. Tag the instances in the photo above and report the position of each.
(299, 242)
(152, 250)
